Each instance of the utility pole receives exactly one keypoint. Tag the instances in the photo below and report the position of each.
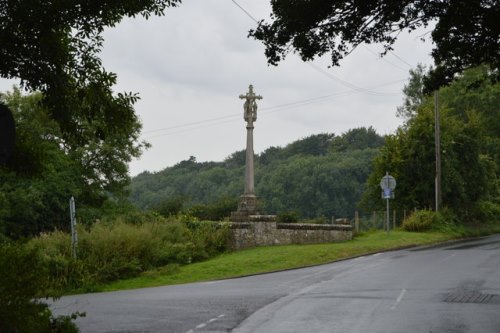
(437, 140)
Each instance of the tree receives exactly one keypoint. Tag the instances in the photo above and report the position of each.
(40, 177)
(466, 32)
(413, 93)
(52, 47)
(469, 142)
(23, 283)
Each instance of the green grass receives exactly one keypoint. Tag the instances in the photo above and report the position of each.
(275, 258)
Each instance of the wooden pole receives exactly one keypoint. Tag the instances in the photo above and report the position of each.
(393, 219)
(356, 221)
(438, 150)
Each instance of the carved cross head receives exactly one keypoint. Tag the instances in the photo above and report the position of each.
(250, 105)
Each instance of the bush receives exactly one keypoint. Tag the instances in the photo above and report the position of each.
(423, 220)
(111, 251)
(287, 217)
(215, 211)
(23, 281)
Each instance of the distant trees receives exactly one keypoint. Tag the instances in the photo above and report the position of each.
(319, 175)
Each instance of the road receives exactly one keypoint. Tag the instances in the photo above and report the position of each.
(448, 288)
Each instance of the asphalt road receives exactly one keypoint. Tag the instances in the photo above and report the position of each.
(449, 288)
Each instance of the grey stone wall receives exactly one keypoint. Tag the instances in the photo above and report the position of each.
(256, 233)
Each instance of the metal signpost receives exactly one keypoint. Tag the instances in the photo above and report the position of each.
(74, 235)
(388, 184)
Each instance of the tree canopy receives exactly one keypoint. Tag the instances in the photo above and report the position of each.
(470, 156)
(320, 175)
(53, 47)
(466, 32)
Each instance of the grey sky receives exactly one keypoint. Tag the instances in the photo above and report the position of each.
(190, 66)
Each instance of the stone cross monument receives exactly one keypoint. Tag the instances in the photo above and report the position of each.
(248, 201)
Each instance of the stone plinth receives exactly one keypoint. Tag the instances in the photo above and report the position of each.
(250, 233)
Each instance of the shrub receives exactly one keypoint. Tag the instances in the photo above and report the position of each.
(287, 217)
(423, 220)
(23, 281)
(111, 251)
(215, 211)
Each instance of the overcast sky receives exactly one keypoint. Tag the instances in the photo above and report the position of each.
(190, 66)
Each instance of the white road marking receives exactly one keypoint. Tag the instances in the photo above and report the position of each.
(398, 300)
(376, 254)
(206, 323)
(358, 258)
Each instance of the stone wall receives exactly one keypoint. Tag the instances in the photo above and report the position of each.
(258, 233)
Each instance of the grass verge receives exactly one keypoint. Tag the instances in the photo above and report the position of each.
(275, 258)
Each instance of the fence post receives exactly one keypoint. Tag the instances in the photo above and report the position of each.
(386, 225)
(393, 219)
(356, 221)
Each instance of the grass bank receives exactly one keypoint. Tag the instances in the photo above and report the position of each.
(274, 258)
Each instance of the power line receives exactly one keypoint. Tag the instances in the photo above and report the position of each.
(265, 111)
(227, 118)
(348, 84)
(245, 11)
(341, 81)
(401, 59)
(384, 59)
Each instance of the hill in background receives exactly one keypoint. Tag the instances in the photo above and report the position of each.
(320, 175)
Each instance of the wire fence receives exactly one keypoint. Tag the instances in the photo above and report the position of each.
(377, 220)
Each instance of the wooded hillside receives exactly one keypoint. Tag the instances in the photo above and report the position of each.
(321, 175)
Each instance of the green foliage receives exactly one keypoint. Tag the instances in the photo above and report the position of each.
(40, 177)
(414, 93)
(287, 217)
(24, 280)
(169, 206)
(465, 33)
(215, 211)
(470, 154)
(321, 175)
(445, 221)
(44, 171)
(109, 251)
(53, 47)
(422, 220)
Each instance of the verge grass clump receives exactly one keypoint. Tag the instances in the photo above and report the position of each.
(424, 220)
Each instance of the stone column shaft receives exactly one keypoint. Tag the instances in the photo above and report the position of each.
(249, 170)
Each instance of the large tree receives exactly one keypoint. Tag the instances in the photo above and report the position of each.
(53, 47)
(470, 156)
(466, 31)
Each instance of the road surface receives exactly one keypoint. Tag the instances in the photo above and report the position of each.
(448, 288)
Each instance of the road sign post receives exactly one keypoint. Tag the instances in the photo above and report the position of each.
(388, 184)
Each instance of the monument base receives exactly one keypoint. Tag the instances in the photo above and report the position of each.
(248, 205)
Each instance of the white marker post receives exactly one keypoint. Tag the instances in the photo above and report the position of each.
(74, 235)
